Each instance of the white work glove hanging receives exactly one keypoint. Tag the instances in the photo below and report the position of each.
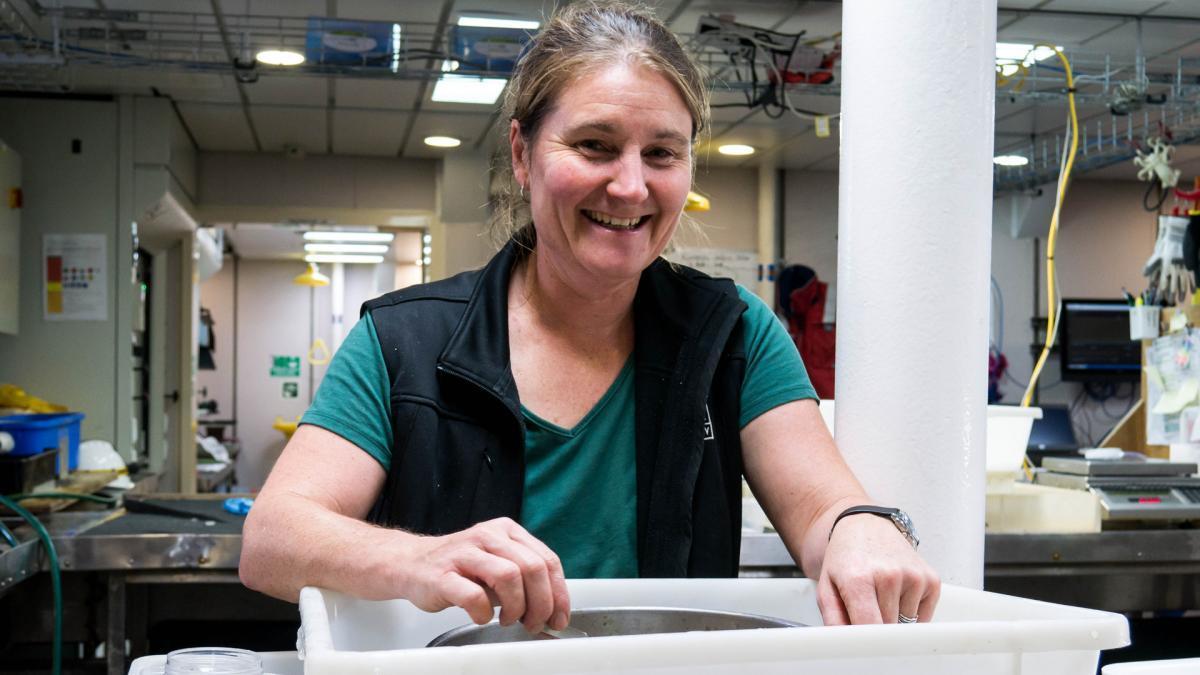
(1165, 269)
(1156, 164)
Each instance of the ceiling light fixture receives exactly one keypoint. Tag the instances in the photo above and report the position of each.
(346, 248)
(442, 141)
(736, 150)
(336, 258)
(349, 236)
(1010, 160)
(489, 22)
(279, 57)
(468, 89)
(1010, 56)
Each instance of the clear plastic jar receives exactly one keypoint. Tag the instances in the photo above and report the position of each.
(213, 661)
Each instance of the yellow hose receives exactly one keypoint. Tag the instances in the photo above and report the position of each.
(1052, 240)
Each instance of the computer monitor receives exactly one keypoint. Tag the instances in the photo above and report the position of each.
(1052, 435)
(1094, 344)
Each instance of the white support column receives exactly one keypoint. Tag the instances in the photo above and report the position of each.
(913, 264)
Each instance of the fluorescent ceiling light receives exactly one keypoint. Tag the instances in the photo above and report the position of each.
(279, 57)
(736, 150)
(442, 141)
(1011, 55)
(349, 236)
(1010, 160)
(468, 89)
(336, 258)
(346, 248)
(489, 22)
(395, 48)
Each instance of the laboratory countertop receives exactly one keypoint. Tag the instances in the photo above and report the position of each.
(118, 541)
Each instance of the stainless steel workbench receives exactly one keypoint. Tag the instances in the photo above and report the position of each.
(1125, 571)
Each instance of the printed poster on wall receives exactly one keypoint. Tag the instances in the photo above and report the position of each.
(74, 277)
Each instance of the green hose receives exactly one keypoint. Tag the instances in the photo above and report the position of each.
(55, 577)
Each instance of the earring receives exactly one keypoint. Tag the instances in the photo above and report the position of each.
(522, 192)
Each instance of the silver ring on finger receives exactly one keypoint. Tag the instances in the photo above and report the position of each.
(906, 619)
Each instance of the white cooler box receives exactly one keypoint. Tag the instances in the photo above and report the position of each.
(974, 632)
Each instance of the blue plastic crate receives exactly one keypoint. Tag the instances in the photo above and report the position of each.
(33, 434)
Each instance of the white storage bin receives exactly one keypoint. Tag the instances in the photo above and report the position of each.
(1008, 428)
(975, 632)
(274, 663)
(1168, 667)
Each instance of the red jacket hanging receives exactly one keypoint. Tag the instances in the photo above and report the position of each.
(805, 312)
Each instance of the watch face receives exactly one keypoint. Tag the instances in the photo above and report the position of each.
(906, 525)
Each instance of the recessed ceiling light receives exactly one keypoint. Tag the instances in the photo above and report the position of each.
(442, 141)
(468, 89)
(349, 236)
(279, 57)
(736, 149)
(1010, 160)
(489, 22)
(337, 258)
(346, 248)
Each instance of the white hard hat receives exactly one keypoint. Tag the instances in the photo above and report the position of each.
(101, 456)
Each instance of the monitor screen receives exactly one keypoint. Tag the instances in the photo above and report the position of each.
(1053, 432)
(1094, 342)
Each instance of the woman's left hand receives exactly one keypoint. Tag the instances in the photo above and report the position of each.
(871, 574)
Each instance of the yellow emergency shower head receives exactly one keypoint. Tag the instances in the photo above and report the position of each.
(311, 277)
(696, 202)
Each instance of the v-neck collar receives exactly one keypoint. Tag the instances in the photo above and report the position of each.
(581, 425)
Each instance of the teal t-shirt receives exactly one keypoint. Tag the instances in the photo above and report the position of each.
(580, 494)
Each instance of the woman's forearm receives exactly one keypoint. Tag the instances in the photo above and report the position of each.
(290, 541)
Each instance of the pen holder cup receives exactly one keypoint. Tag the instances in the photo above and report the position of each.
(1143, 322)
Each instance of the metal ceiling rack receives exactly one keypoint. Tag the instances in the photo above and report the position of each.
(1102, 142)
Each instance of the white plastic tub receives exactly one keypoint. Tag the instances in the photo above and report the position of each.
(974, 632)
(1008, 428)
(274, 663)
(1169, 667)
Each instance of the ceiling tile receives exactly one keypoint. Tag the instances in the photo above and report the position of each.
(203, 87)
(368, 132)
(1104, 6)
(1179, 8)
(465, 127)
(1020, 4)
(375, 93)
(389, 10)
(279, 127)
(1068, 31)
(292, 8)
(288, 90)
(197, 6)
(217, 127)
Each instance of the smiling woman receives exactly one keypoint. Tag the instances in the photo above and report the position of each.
(579, 407)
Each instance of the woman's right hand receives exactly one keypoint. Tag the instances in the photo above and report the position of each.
(493, 563)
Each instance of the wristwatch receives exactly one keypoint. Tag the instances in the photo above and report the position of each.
(899, 518)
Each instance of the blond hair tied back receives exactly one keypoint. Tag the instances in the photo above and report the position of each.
(579, 39)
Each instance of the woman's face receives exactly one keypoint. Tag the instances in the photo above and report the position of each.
(607, 174)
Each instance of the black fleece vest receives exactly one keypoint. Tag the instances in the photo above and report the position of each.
(458, 449)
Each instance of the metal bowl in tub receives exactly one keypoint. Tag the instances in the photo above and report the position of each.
(609, 621)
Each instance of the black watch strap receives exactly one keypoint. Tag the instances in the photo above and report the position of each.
(899, 518)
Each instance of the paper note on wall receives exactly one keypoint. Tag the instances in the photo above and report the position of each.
(741, 266)
(74, 277)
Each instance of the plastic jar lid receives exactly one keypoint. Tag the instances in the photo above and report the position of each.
(213, 661)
